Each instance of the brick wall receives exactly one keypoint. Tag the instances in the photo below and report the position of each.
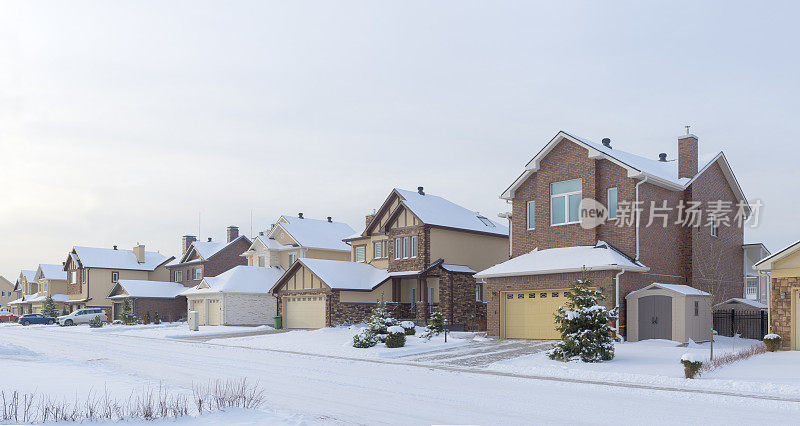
(457, 299)
(168, 309)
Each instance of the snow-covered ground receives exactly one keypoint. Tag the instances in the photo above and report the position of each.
(306, 389)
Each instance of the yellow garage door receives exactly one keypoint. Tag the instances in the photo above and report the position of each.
(529, 314)
(304, 311)
(214, 310)
(199, 306)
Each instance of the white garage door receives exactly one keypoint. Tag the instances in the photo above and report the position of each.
(214, 311)
(304, 311)
(199, 306)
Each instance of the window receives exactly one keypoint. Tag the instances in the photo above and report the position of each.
(696, 308)
(178, 276)
(712, 221)
(73, 277)
(84, 273)
(479, 292)
(361, 253)
(612, 203)
(751, 288)
(413, 297)
(565, 202)
(262, 261)
(378, 246)
(430, 296)
(486, 221)
(292, 258)
(405, 247)
(198, 274)
(398, 248)
(531, 214)
(414, 246)
(114, 276)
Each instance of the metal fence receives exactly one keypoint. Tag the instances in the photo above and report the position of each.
(747, 324)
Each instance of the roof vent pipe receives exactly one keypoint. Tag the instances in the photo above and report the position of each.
(420, 191)
(330, 219)
(209, 239)
(606, 142)
(115, 247)
(300, 215)
(662, 157)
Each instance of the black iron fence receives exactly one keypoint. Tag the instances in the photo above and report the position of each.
(747, 324)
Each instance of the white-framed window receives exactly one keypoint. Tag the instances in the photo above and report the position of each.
(398, 248)
(262, 261)
(114, 276)
(197, 273)
(178, 276)
(431, 292)
(712, 223)
(565, 202)
(378, 247)
(611, 203)
(292, 258)
(531, 214)
(73, 277)
(405, 247)
(361, 254)
(479, 292)
(413, 297)
(751, 288)
(413, 246)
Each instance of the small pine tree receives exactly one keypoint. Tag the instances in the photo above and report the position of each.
(146, 319)
(436, 321)
(126, 316)
(64, 311)
(156, 318)
(379, 321)
(96, 322)
(584, 326)
(50, 309)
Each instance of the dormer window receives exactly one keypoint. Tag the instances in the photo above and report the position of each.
(565, 202)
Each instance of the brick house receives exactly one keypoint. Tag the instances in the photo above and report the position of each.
(782, 269)
(149, 297)
(241, 295)
(208, 258)
(643, 243)
(417, 251)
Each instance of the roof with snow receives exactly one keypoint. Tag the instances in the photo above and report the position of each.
(29, 274)
(458, 268)
(95, 257)
(343, 275)
(42, 298)
(51, 272)
(144, 288)
(664, 173)
(241, 279)
(747, 302)
(314, 233)
(599, 257)
(677, 288)
(437, 211)
(207, 249)
(766, 263)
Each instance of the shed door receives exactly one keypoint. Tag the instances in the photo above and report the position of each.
(214, 308)
(530, 314)
(304, 311)
(655, 317)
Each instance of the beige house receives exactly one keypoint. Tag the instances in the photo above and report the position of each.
(783, 294)
(241, 296)
(51, 282)
(25, 288)
(92, 273)
(6, 292)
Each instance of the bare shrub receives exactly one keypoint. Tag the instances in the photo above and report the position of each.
(732, 357)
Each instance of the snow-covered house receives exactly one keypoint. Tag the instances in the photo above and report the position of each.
(25, 288)
(92, 272)
(150, 297)
(51, 280)
(239, 296)
(6, 292)
(208, 258)
(782, 269)
(755, 284)
(416, 251)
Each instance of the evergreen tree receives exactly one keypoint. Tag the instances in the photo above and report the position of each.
(379, 321)
(146, 319)
(156, 318)
(436, 321)
(126, 316)
(584, 326)
(50, 309)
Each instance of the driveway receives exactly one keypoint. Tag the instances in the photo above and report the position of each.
(481, 353)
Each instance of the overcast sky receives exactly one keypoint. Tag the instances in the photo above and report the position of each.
(121, 121)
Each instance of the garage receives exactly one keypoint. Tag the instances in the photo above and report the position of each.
(670, 312)
(214, 309)
(304, 311)
(530, 314)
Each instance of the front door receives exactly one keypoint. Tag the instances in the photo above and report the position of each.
(655, 317)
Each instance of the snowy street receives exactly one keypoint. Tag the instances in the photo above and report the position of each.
(316, 389)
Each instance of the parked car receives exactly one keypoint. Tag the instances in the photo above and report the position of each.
(82, 316)
(29, 319)
(7, 316)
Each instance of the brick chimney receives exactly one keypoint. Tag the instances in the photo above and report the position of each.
(687, 156)
(233, 233)
(138, 251)
(186, 242)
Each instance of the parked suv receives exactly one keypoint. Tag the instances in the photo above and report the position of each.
(29, 319)
(82, 316)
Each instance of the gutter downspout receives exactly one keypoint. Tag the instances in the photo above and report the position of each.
(616, 299)
(769, 299)
(638, 215)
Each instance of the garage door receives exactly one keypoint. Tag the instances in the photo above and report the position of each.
(214, 308)
(529, 314)
(304, 311)
(199, 306)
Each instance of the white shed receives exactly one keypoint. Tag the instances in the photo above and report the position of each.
(669, 311)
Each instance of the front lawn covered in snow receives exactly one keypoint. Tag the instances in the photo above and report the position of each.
(338, 341)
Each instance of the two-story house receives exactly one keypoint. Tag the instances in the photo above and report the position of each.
(208, 258)
(241, 295)
(51, 281)
(92, 273)
(670, 221)
(6, 292)
(25, 288)
(755, 284)
(417, 251)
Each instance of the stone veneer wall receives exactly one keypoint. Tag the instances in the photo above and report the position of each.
(780, 316)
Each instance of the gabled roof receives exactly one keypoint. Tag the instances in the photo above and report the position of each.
(747, 302)
(95, 257)
(143, 288)
(29, 274)
(766, 263)
(314, 233)
(340, 274)
(208, 249)
(662, 173)
(676, 288)
(599, 257)
(241, 279)
(270, 244)
(51, 272)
